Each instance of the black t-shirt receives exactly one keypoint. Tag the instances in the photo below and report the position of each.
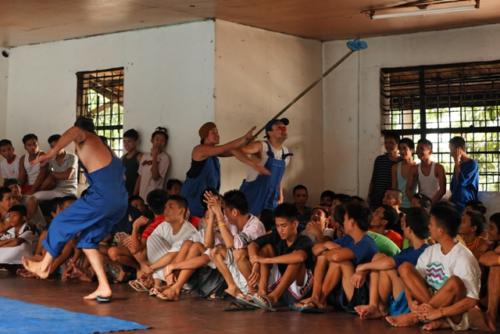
(280, 247)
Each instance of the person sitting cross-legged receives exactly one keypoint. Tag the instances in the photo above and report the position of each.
(335, 280)
(444, 285)
(281, 262)
(386, 287)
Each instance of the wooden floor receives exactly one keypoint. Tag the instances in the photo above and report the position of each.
(191, 315)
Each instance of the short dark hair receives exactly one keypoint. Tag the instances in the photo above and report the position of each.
(417, 219)
(179, 200)
(29, 136)
(160, 131)
(360, 213)
(425, 202)
(391, 215)
(408, 142)
(458, 142)
(21, 209)
(53, 138)
(5, 142)
(267, 218)
(338, 214)
(132, 134)
(425, 141)
(173, 182)
(235, 199)
(342, 198)
(3, 191)
(299, 187)
(446, 217)
(286, 211)
(156, 200)
(478, 220)
(85, 123)
(477, 206)
(9, 182)
(495, 219)
(391, 134)
(327, 193)
(135, 198)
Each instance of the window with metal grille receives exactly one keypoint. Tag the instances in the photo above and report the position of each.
(100, 97)
(442, 101)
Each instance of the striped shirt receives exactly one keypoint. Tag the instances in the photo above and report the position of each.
(381, 178)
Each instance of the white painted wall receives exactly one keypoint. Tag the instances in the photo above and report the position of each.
(257, 73)
(351, 95)
(169, 81)
(4, 74)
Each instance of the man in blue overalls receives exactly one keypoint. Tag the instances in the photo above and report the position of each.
(92, 217)
(266, 191)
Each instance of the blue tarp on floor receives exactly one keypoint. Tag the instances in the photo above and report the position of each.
(26, 318)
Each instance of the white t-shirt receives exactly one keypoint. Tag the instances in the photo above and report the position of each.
(436, 267)
(69, 161)
(175, 241)
(147, 183)
(252, 174)
(9, 171)
(251, 231)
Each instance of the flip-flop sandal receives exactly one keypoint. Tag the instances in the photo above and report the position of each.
(165, 298)
(311, 308)
(138, 285)
(153, 292)
(235, 307)
(246, 300)
(263, 303)
(103, 300)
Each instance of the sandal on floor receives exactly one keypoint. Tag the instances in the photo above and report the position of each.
(311, 308)
(153, 292)
(166, 297)
(138, 285)
(263, 302)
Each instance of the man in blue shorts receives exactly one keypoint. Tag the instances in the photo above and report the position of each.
(386, 287)
(92, 217)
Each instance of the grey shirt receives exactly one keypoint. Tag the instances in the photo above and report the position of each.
(69, 161)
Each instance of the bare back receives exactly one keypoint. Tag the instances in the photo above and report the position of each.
(93, 153)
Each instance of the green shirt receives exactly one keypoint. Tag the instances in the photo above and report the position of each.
(384, 244)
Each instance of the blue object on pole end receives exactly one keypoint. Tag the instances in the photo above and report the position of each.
(357, 44)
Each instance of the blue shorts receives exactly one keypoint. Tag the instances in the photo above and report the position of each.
(399, 305)
(93, 216)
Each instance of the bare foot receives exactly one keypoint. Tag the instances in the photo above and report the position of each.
(435, 324)
(404, 320)
(368, 312)
(232, 291)
(100, 292)
(35, 268)
(171, 295)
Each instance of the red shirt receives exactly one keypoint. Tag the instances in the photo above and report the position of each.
(395, 237)
(151, 227)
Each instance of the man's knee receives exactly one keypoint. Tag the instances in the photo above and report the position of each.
(378, 256)
(219, 252)
(240, 254)
(454, 284)
(114, 253)
(266, 251)
(187, 244)
(406, 269)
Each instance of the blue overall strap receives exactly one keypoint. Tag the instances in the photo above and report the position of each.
(193, 188)
(263, 192)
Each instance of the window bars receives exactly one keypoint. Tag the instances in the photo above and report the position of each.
(439, 102)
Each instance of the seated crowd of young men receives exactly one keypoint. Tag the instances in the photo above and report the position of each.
(423, 263)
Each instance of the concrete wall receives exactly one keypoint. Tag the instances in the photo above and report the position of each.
(169, 81)
(351, 95)
(256, 74)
